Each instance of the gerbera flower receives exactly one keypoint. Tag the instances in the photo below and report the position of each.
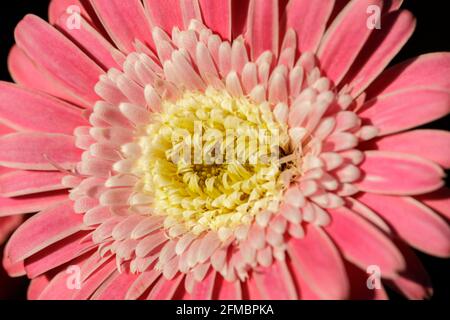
(99, 109)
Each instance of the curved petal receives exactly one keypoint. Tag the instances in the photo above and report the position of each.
(438, 200)
(59, 56)
(414, 281)
(228, 290)
(418, 225)
(426, 71)
(30, 203)
(165, 14)
(124, 21)
(90, 41)
(320, 264)
(25, 110)
(38, 151)
(58, 7)
(406, 109)
(380, 49)
(19, 183)
(217, 17)
(308, 19)
(42, 230)
(263, 27)
(362, 243)
(58, 254)
(345, 38)
(399, 174)
(433, 145)
(275, 282)
(8, 224)
(27, 73)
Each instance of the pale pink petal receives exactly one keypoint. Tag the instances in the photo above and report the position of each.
(57, 254)
(380, 49)
(438, 200)
(217, 16)
(19, 183)
(27, 73)
(433, 145)
(384, 172)
(318, 261)
(25, 110)
(275, 282)
(406, 109)
(30, 203)
(427, 71)
(59, 56)
(44, 229)
(372, 246)
(344, 39)
(90, 41)
(38, 151)
(263, 27)
(165, 14)
(418, 225)
(308, 19)
(124, 21)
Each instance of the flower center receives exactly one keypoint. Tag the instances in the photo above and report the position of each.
(212, 161)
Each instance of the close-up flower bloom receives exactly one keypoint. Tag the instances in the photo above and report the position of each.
(108, 93)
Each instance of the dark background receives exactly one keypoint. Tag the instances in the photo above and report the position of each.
(432, 34)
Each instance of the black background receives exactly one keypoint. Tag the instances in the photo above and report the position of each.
(432, 34)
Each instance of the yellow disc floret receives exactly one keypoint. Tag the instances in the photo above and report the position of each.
(210, 160)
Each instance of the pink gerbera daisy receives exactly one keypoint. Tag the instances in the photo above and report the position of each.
(104, 94)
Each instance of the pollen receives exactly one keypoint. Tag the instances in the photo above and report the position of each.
(211, 161)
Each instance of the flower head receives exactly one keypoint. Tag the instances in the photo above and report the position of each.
(182, 149)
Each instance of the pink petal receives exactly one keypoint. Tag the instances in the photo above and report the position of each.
(116, 286)
(433, 145)
(30, 203)
(90, 41)
(217, 16)
(427, 71)
(308, 19)
(125, 21)
(95, 280)
(414, 282)
(58, 7)
(320, 264)
(359, 291)
(57, 288)
(141, 284)
(38, 151)
(59, 56)
(418, 225)
(263, 27)
(44, 229)
(8, 224)
(57, 254)
(362, 243)
(37, 285)
(438, 200)
(380, 49)
(228, 290)
(165, 289)
(406, 109)
(275, 282)
(165, 14)
(24, 71)
(398, 173)
(19, 183)
(344, 39)
(26, 110)
(204, 290)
